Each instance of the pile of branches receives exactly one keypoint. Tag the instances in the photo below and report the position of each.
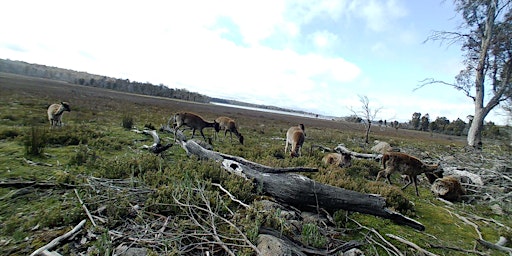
(195, 220)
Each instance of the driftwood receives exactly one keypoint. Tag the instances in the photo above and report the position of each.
(298, 190)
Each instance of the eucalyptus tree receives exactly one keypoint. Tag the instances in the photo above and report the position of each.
(486, 38)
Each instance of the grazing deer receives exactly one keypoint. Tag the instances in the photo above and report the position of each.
(194, 122)
(295, 136)
(55, 112)
(405, 165)
(341, 160)
(228, 125)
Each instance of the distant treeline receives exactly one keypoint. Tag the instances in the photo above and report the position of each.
(83, 78)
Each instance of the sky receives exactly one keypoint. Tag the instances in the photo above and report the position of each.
(316, 56)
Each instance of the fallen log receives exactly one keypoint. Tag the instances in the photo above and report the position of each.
(299, 191)
(342, 149)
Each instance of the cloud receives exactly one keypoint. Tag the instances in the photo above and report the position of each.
(378, 15)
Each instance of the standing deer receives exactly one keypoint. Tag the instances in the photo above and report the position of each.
(295, 136)
(55, 112)
(405, 165)
(229, 125)
(194, 122)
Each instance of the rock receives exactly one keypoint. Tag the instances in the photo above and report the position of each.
(353, 252)
(382, 147)
(273, 246)
(496, 209)
(123, 250)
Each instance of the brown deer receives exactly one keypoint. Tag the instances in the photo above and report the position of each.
(194, 122)
(55, 112)
(229, 125)
(405, 164)
(341, 160)
(295, 136)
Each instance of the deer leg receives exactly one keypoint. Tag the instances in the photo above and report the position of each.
(411, 179)
(415, 178)
(204, 137)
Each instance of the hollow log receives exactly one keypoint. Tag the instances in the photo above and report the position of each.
(299, 191)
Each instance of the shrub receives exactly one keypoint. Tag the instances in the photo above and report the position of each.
(127, 122)
(9, 134)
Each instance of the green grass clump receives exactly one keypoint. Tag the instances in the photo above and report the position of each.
(311, 236)
(35, 141)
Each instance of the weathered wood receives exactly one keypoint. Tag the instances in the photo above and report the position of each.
(300, 191)
(157, 146)
(342, 149)
(57, 240)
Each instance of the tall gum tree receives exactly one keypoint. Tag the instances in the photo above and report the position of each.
(486, 36)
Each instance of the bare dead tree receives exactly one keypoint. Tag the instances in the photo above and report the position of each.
(367, 114)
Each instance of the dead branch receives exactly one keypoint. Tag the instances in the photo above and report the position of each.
(57, 240)
(30, 162)
(391, 249)
(495, 246)
(208, 220)
(308, 250)
(320, 147)
(233, 198)
(457, 249)
(156, 147)
(465, 220)
(411, 244)
(35, 184)
(85, 208)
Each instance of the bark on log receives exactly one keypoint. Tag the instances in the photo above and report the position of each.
(300, 191)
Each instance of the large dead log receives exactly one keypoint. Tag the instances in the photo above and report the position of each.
(300, 191)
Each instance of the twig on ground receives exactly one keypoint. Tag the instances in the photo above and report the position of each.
(233, 198)
(372, 230)
(57, 240)
(411, 244)
(85, 208)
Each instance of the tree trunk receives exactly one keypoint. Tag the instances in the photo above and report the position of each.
(368, 128)
(474, 138)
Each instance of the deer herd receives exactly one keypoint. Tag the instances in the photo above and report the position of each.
(407, 165)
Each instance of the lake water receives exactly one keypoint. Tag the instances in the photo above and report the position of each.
(272, 111)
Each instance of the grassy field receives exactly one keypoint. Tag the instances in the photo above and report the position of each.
(129, 188)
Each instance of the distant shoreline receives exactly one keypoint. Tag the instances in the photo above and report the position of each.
(301, 114)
